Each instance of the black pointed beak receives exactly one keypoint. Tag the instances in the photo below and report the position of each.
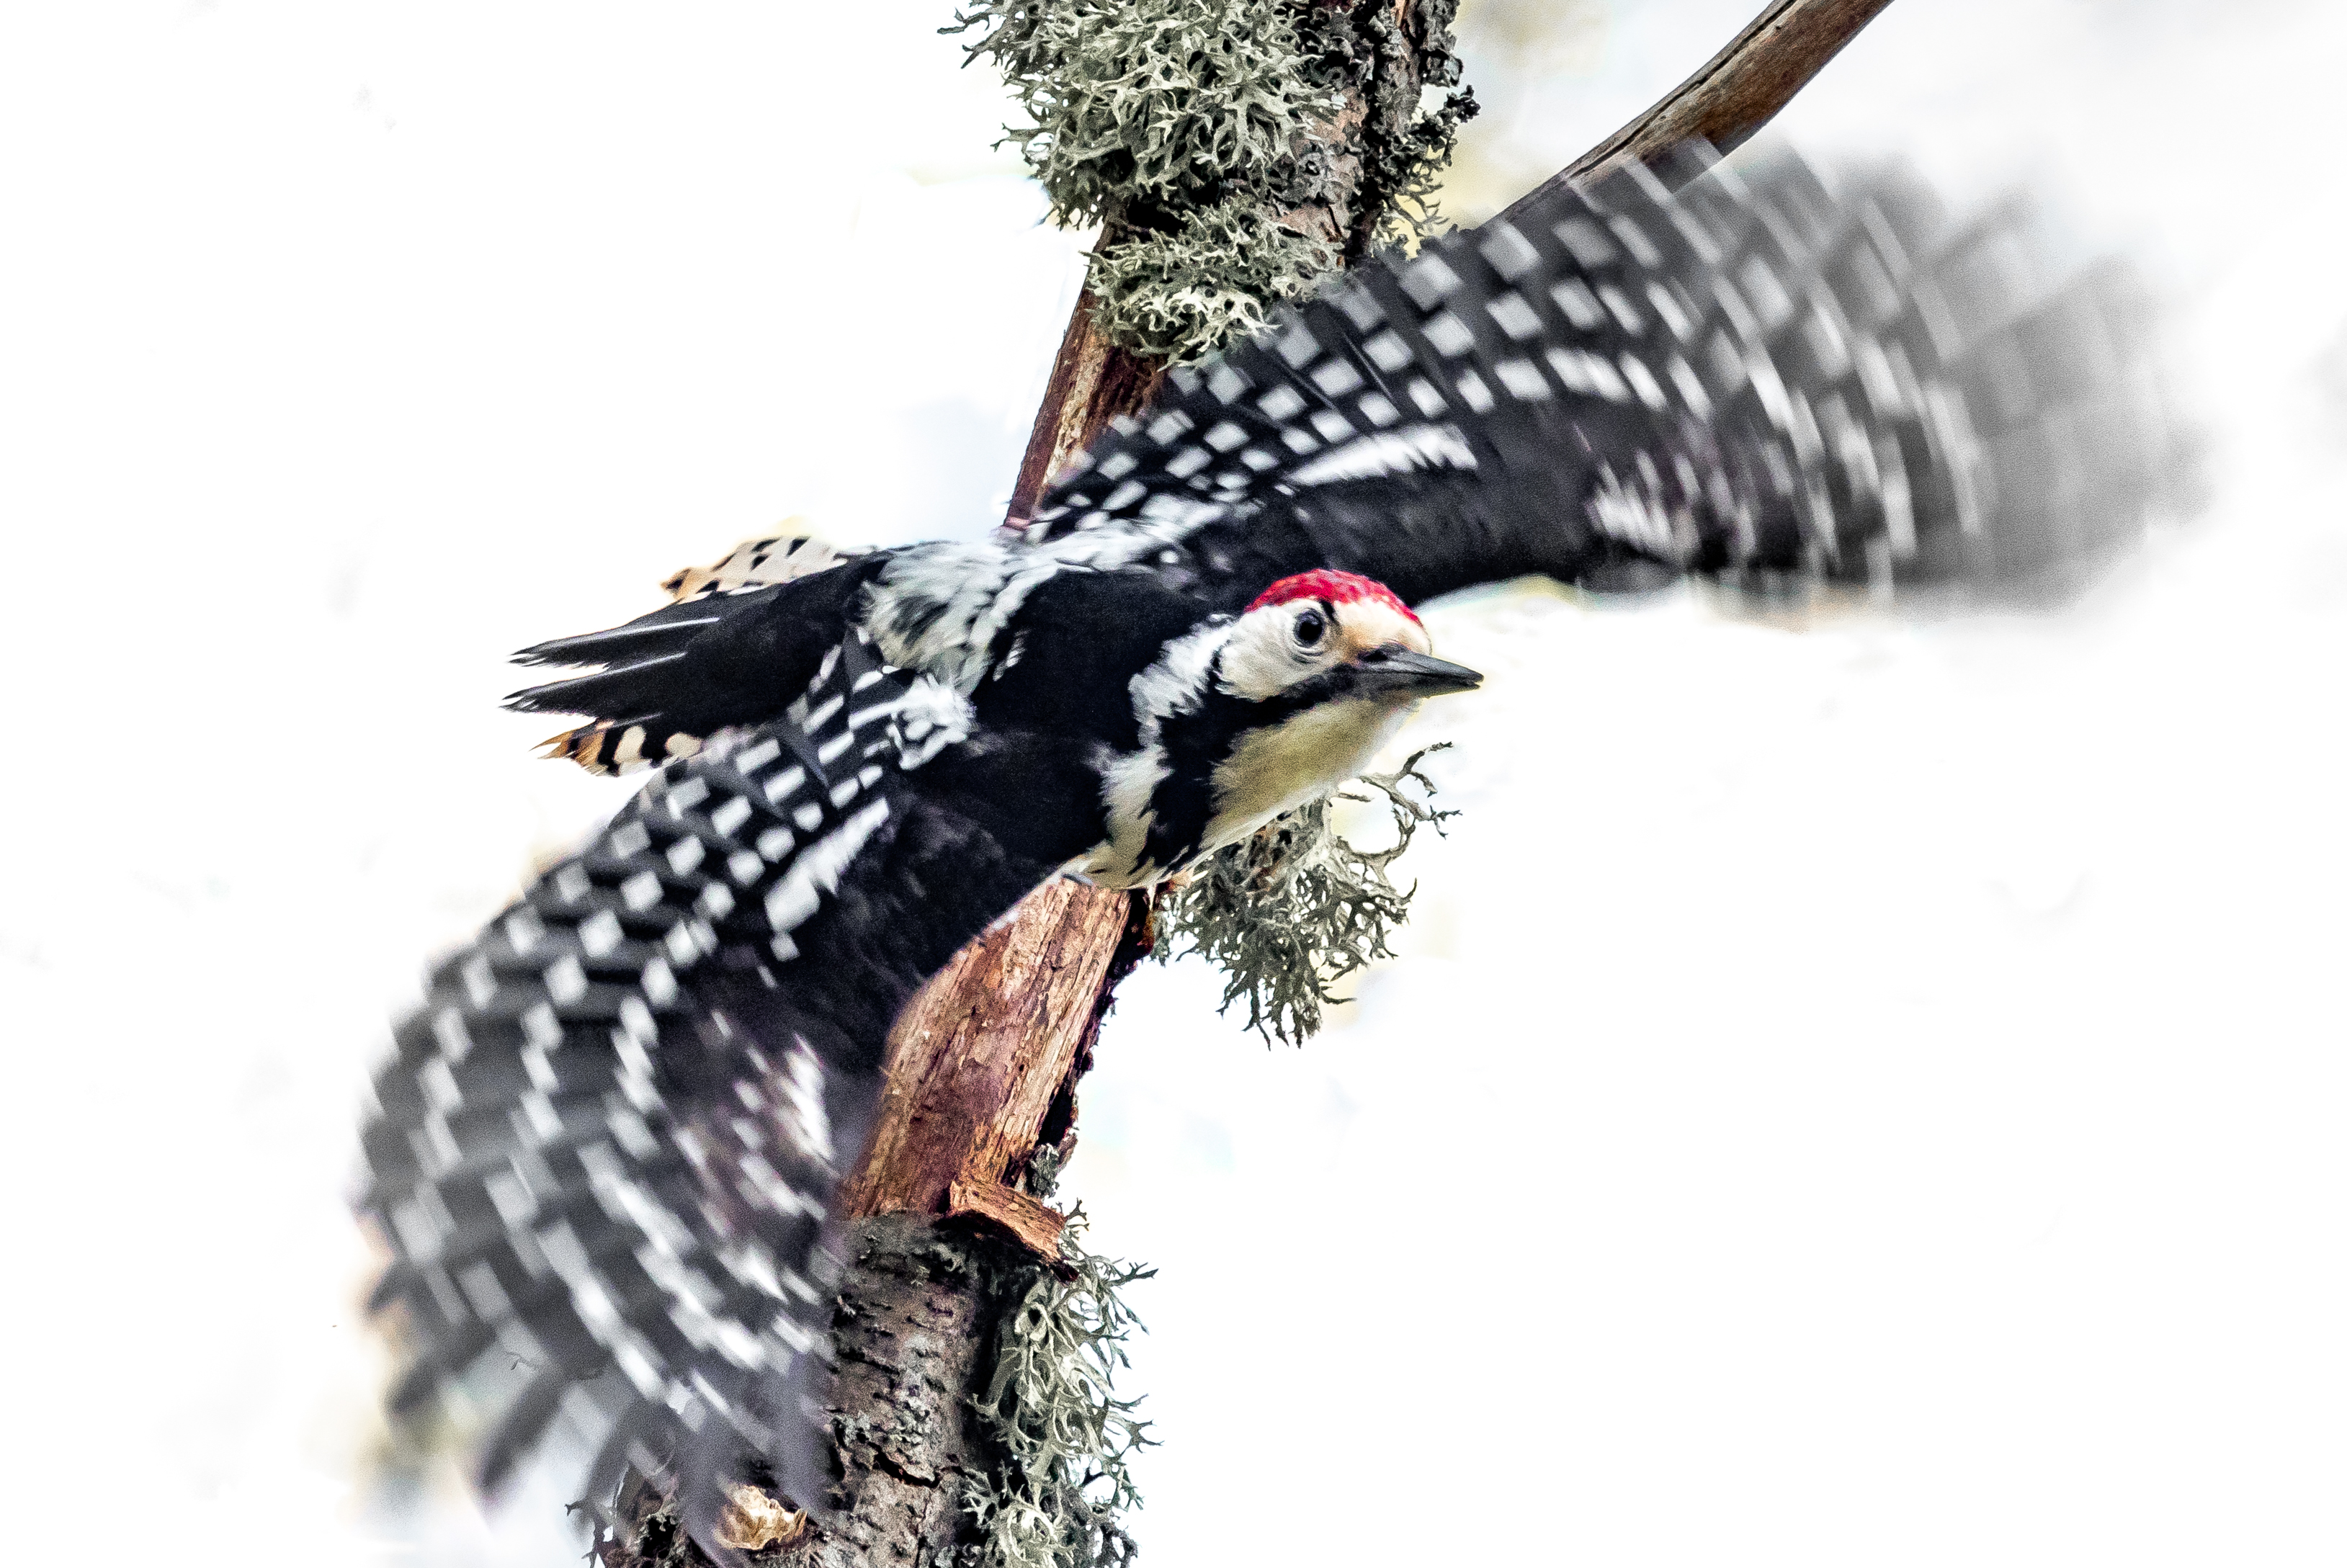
(1398, 669)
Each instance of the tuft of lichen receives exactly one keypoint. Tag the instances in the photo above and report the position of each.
(1291, 911)
(1142, 104)
(1182, 294)
(1236, 151)
(1058, 1499)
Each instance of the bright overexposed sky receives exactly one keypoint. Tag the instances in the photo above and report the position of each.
(1857, 1094)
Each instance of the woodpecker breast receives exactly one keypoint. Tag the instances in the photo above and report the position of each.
(1280, 766)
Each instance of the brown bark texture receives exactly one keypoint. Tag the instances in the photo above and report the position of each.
(911, 1340)
(984, 1056)
(984, 1063)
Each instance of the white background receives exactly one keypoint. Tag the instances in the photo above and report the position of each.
(1863, 1094)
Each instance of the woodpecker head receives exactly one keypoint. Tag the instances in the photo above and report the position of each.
(1324, 637)
(1242, 719)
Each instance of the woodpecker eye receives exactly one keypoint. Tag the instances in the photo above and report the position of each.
(1311, 626)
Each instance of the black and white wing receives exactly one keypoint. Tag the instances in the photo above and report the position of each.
(605, 1149)
(1682, 368)
(737, 641)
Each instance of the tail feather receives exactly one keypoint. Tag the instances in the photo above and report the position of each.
(740, 637)
(666, 631)
(622, 746)
(759, 563)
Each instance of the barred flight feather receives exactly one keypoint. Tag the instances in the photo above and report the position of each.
(606, 1143)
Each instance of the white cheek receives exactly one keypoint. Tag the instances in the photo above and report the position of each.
(1259, 668)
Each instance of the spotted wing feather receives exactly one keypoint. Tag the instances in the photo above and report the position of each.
(606, 1146)
(1747, 374)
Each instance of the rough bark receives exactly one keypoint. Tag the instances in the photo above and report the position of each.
(1092, 382)
(984, 1064)
(984, 1055)
(912, 1338)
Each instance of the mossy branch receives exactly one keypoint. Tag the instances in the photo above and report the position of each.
(1236, 151)
(1139, 104)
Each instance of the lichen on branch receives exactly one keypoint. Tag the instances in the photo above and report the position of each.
(1235, 151)
(1150, 103)
(1184, 293)
(1067, 1440)
(1413, 103)
(1290, 912)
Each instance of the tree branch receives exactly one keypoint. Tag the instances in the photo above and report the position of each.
(977, 1062)
(1737, 91)
(1092, 382)
(988, 1054)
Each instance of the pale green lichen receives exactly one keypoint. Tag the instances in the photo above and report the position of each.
(1196, 131)
(1058, 1499)
(1183, 295)
(1150, 103)
(1293, 910)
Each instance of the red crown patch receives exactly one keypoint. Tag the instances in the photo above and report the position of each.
(1335, 586)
